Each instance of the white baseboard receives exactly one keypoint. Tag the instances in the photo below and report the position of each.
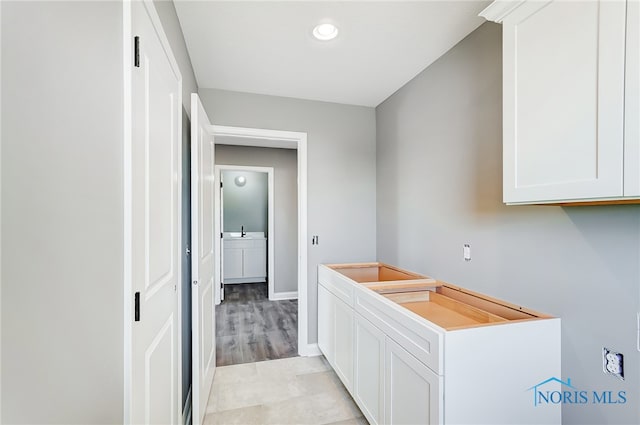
(186, 413)
(309, 350)
(277, 296)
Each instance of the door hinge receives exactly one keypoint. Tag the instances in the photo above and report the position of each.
(221, 185)
(137, 307)
(136, 51)
(221, 235)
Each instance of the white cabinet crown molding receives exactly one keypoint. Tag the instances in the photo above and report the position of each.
(499, 9)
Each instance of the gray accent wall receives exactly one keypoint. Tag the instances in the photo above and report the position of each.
(62, 213)
(341, 171)
(285, 197)
(439, 173)
(245, 207)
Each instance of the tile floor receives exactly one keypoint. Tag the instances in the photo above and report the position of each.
(296, 390)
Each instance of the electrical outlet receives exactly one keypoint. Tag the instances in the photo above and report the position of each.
(466, 252)
(613, 363)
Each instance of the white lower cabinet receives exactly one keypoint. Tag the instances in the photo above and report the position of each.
(368, 390)
(232, 264)
(391, 385)
(255, 261)
(335, 334)
(244, 260)
(412, 390)
(326, 324)
(439, 355)
(343, 342)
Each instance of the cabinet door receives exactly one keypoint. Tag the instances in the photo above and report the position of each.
(632, 103)
(232, 264)
(412, 390)
(255, 262)
(368, 385)
(563, 106)
(343, 343)
(326, 323)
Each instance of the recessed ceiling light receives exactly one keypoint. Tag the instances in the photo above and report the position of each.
(325, 32)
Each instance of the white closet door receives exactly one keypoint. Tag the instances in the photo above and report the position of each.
(203, 323)
(155, 223)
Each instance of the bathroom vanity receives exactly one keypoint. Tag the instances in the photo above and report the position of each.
(414, 350)
(244, 257)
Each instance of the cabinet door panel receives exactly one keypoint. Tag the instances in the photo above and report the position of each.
(326, 323)
(564, 101)
(343, 325)
(369, 370)
(255, 262)
(232, 264)
(412, 390)
(632, 103)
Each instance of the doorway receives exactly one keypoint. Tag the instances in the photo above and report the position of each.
(257, 319)
(241, 136)
(246, 199)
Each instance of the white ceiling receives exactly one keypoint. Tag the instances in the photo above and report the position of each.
(266, 47)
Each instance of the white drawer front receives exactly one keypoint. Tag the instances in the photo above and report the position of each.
(337, 284)
(422, 342)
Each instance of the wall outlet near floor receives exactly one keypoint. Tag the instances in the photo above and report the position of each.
(613, 363)
(466, 252)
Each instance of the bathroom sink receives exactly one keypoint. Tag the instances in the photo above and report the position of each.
(248, 235)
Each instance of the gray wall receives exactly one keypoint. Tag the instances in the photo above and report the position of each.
(285, 174)
(245, 206)
(62, 267)
(439, 186)
(341, 179)
(62, 291)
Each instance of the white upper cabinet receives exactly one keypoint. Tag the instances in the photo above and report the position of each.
(632, 103)
(566, 136)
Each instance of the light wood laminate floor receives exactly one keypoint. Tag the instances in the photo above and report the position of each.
(297, 390)
(250, 328)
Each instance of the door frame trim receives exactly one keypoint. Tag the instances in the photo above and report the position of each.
(271, 271)
(259, 137)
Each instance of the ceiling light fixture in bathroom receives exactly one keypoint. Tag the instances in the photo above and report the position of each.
(240, 181)
(325, 32)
